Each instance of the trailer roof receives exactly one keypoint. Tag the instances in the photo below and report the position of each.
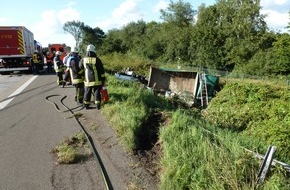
(176, 70)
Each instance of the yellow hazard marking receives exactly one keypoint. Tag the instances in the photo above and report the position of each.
(20, 41)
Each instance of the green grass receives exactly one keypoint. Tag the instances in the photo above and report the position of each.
(195, 153)
(72, 150)
(260, 111)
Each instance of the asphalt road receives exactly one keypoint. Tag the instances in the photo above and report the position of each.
(29, 128)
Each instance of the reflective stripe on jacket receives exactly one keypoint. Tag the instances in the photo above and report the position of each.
(57, 64)
(76, 73)
(94, 71)
(35, 58)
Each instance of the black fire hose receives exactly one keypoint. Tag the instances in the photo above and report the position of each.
(106, 178)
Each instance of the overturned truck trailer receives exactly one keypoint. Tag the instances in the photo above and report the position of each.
(190, 85)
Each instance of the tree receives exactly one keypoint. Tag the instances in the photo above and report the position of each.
(207, 47)
(229, 32)
(177, 30)
(245, 25)
(133, 35)
(179, 13)
(282, 53)
(113, 43)
(75, 28)
(93, 36)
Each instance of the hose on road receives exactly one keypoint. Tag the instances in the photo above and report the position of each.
(105, 175)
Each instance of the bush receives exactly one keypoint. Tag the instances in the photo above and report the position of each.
(258, 110)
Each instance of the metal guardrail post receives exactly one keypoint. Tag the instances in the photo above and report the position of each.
(266, 164)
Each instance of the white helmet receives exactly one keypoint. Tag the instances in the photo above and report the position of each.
(91, 48)
(58, 53)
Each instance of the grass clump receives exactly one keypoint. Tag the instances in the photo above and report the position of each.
(73, 149)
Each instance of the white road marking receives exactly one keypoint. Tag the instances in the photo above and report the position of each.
(16, 92)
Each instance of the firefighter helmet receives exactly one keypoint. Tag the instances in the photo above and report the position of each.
(58, 53)
(91, 48)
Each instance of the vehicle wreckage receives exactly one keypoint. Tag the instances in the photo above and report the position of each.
(195, 88)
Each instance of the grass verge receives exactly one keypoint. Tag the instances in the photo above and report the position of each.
(194, 154)
(72, 150)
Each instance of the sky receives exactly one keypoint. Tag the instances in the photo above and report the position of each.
(46, 19)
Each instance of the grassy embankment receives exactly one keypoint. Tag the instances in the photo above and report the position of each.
(195, 153)
(203, 150)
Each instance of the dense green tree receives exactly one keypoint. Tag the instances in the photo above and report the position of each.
(282, 53)
(263, 63)
(155, 44)
(93, 36)
(179, 13)
(177, 30)
(245, 24)
(207, 48)
(113, 43)
(228, 33)
(133, 36)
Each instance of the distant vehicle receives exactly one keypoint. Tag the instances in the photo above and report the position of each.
(63, 48)
(17, 46)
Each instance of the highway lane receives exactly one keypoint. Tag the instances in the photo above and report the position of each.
(29, 128)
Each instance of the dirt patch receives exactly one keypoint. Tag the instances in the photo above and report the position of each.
(149, 153)
(126, 170)
(150, 160)
(131, 171)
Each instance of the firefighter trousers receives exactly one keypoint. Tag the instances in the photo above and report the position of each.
(95, 91)
(60, 80)
(80, 90)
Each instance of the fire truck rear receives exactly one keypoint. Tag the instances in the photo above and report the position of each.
(16, 48)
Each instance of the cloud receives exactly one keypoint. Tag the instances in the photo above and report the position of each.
(68, 14)
(49, 29)
(3, 20)
(276, 20)
(269, 3)
(128, 11)
(277, 12)
(277, 5)
(162, 4)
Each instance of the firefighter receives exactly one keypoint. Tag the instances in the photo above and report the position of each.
(36, 62)
(66, 64)
(58, 67)
(77, 76)
(94, 76)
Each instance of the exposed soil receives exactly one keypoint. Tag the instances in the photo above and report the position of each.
(137, 169)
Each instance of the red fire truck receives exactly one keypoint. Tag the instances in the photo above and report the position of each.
(17, 46)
